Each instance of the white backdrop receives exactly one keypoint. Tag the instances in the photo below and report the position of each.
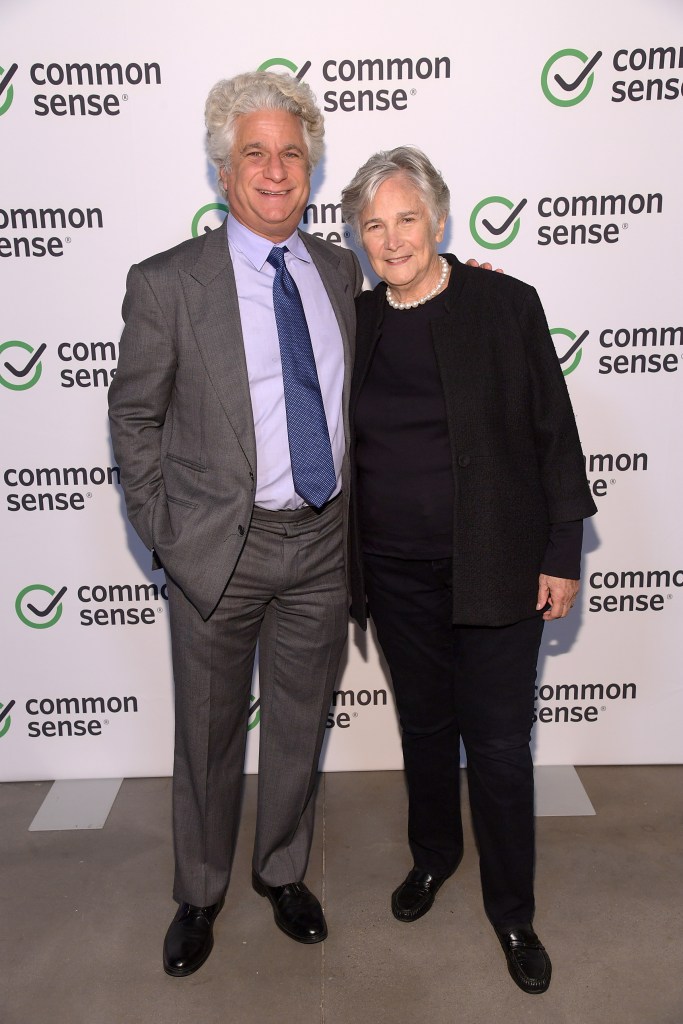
(559, 133)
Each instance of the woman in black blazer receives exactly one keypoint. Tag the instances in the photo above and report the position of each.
(466, 526)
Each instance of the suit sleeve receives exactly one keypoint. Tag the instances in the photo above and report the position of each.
(139, 397)
(558, 449)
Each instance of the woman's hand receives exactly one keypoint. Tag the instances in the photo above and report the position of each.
(560, 594)
(484, 266)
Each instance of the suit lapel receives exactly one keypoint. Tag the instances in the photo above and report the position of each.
(214, 312)
(337, 287)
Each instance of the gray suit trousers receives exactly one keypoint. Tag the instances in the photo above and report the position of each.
(288, 592)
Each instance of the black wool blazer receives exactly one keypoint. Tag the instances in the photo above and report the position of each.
(516, 454)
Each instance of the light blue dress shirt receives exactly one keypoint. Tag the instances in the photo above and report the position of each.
(254, 279)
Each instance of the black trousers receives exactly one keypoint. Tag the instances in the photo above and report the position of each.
(452, 682)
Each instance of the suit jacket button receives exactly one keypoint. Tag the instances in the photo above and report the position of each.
(463, 460)
(240, 530)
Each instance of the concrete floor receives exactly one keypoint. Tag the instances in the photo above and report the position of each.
(83, 916)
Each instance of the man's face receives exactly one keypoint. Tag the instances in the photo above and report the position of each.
(268, 184)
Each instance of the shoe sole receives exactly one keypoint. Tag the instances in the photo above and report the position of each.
(260, 888)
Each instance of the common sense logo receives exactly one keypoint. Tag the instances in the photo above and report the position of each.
(55, 489)
(564, 220)
(638, 350)
(20, 365)
(574, 703)
(37, 610)
(80, 89)
(633, 590)
(66, 717)
(567, 76)
(114, 604)
(27, 227)
(367, 84)
(568, 347)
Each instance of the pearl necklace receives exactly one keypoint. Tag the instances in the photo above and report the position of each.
(420, 302)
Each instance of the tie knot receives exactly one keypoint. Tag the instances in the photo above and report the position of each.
(276, 257)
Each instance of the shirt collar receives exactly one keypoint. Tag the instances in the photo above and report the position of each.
(256, 248)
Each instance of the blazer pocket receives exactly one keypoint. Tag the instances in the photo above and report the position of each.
(181, 501)
(200, 467)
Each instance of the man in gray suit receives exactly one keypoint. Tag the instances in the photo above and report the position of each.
(214, 455)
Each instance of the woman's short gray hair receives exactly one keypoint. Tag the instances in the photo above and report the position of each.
(259, 90)
(408, 161)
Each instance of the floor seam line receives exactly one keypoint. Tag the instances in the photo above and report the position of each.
(324, 901)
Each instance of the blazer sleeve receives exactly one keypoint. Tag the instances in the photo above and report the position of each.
(558, 448)
(139, 397)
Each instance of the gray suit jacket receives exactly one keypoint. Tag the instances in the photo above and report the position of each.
(180, 408)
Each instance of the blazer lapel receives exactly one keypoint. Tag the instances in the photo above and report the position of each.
(337, 287)
(369, 332)
(214, 312)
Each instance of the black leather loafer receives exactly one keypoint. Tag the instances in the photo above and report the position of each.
(297, 912)
(415, 896)
(528, 963)
(189, 939)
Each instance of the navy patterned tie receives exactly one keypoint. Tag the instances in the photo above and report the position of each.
(309, 439)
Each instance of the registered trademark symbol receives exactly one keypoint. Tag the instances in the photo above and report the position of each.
(413, 92)
(347, 234)
(355, 714)
(105, 722)
(603, 708)
(124, 97)
(612, 481)
(67, 239)
(159, 610)
(669, 597)
(88, 494)
(625, 227)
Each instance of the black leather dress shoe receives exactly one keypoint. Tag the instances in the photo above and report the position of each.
(415, 896)
(297, 912)
(528, 963)
(189, 939)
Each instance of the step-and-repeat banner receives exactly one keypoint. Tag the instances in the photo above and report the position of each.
(559, 131)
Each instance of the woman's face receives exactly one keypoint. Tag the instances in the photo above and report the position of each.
(400, 240)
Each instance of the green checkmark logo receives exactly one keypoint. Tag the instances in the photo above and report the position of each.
(19, 371)
(201, 226)
(254, 712)
(569, 355)
(288, 65)
(6, 89)
(5, 720)
(495, 228)
(32, 609)
(560, 87)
